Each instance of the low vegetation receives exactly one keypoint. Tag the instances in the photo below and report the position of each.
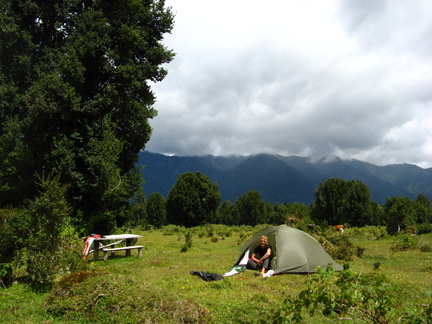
(382, 285)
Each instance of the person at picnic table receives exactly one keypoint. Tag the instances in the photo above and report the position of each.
(261, 256)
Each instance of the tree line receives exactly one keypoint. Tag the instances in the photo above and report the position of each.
(195, 200)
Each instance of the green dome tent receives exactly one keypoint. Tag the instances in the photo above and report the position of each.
(294, 251)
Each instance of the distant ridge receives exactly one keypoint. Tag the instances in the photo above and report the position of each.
(282, 179)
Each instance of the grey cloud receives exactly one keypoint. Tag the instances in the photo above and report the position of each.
(357, 98)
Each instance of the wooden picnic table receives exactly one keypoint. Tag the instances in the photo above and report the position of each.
(119, 238)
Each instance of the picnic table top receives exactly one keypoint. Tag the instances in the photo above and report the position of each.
(117, 237)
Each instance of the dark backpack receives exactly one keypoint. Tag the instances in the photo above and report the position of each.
(206, 276)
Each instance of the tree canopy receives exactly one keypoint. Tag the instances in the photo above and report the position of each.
(156, 210)
(75, 97)
(338, 202)
(251, 208)
(193, 200)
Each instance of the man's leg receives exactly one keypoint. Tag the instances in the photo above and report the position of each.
(265, 265)
(251, 264)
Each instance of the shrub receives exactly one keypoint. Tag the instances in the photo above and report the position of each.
(368, 297)
(425, 248)
(188, 242)
(424, 228)
(14, 224)
(201, 233)
(172, 229)
(38, 242)
(339, 246)
(405, 242)
(210, 230)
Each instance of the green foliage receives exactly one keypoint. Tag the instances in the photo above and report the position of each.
(14, 163)
(75, 98)
(424, 228)
(251, 209)
(48, 216)
(371, 232)
(137, 213)
(342, 202)
(104, 297)
(158, 288)
(38, 242)
(188, 241)
(419, 315)
(193, 200)
(399, 212)
(338, 246)
(423, 209)
(173, 229)
(210, 230)
(426, 248)
(228, 214)
(156, 210)
(369, 297)
(405, 242)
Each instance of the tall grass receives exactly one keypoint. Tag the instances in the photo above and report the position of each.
(158, 288)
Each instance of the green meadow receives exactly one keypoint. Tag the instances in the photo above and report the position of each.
(158, 288)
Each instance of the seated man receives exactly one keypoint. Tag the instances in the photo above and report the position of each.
(261, 256)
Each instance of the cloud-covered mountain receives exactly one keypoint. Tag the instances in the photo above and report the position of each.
(283, 179)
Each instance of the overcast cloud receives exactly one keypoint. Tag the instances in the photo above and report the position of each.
(351, 78)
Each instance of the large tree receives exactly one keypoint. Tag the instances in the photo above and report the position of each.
(193, 200)
(251, 209)
(75, 97)
(399, 212)
(338, 202)
(156, 210)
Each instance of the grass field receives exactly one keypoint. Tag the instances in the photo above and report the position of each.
(158, 288)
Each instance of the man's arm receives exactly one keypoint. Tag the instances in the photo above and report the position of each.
(266, 255)
(254, 258)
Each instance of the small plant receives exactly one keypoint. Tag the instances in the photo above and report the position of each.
(201, 234)
(210, 230)
(425, 248)
(172, 229)
(377, 265)
(419, 315)
(188, 242)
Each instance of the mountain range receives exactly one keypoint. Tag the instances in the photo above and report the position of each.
(281, 179)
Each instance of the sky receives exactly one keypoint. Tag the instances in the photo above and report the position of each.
(312, 78)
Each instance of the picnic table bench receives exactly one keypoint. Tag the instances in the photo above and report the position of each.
(125, 248)
(98, 246)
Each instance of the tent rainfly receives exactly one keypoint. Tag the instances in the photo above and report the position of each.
(294, 251)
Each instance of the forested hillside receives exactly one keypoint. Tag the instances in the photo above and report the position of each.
(282, 179)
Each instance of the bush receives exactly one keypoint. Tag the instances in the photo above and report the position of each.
(339, 246)
(37, 241)
(368, 297)
(405, 242)
(173, 229)
(14, 224)
(425, 248)
(372, 232)
(424, 228)
(188, 242)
